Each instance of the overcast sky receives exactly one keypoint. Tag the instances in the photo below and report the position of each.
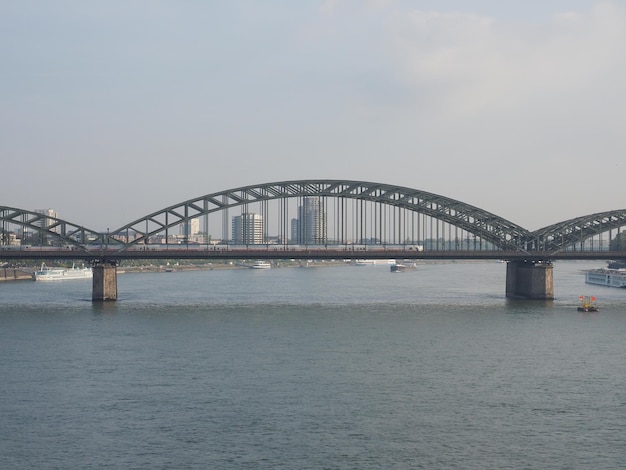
(112, 110)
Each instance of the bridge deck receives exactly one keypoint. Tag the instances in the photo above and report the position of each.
(219, 253)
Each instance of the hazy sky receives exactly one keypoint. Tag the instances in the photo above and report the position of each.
(112, 110)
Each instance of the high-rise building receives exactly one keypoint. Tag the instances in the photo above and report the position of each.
(248, 229)
(189, 228)
(295, 232)
(310, 226)
(46, 221)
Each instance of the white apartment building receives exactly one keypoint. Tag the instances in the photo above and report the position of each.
(189, 228)
(248, 229)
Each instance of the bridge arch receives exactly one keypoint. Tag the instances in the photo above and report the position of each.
(502, 234)
(566, 235)
(51, 230)
(499, 232)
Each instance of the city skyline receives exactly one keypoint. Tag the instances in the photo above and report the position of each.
(113, 111)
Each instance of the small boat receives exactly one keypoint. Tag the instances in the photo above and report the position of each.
(587, 304)
(401, 268)
(261, 265)
(617, 264)
(46, 273)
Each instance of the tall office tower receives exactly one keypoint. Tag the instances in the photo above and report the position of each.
(295, 232)
(46, 221)
(189, 228)
(248, 229)
(310, 227)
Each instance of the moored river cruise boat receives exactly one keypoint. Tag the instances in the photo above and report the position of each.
(606, 277)
(46, 273)
(261, 265)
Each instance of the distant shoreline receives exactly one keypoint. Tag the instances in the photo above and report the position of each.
(26, 273)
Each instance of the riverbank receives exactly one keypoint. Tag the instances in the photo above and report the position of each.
(16, 274)
(25, 273)
(219, 266)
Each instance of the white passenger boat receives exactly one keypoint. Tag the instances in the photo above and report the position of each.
(375, 262)
(261, 265)
(606, 277)
(46, 273)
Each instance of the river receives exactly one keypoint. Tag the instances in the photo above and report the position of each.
(343, 367)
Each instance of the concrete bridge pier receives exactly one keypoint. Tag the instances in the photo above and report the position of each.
(104, 282)
(529, 280)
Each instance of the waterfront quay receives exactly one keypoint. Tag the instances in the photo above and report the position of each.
(15, 274)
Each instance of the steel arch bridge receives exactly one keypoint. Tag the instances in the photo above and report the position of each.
(489, 227)
(375, 211)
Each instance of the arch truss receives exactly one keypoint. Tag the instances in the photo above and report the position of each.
(50, 230)
(573, 232)
(491, 228)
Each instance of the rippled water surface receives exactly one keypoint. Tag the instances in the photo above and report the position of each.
(335, 367)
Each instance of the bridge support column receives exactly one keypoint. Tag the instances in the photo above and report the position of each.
(104, 282)
(529, 280)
